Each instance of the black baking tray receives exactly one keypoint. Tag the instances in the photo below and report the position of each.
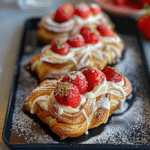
(124, 26)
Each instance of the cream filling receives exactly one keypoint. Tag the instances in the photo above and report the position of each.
(52, 57)
(90, 19)
(59, 27)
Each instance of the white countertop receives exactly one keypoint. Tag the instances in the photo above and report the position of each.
(11, 27)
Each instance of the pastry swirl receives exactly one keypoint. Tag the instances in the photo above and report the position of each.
(98, 105)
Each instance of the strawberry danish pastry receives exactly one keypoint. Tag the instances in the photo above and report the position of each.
(79, 101)
(68, 19)
(94, 46)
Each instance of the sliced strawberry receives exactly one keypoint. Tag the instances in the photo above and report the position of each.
(90, 35)
(67, 94)
(112, 75)
(78, 79)
(82, 10)
(94, 77)
(120, 2)
(104, 30)
(60, 47)
(76, 41)
(64, 12)
(143, 24)
(95, 9)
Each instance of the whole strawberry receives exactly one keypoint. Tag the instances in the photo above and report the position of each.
(112, 75)
(94, 77)
(143, 23)
(64, 12)
(90, 35)
(104, 30)
(76, 41)
(95, 9)
(78, 79)
(60, 46)
(67, 94)
(82, 10)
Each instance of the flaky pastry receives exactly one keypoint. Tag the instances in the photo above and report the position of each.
(93, 110)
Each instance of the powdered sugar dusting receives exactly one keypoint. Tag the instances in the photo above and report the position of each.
(132, 127)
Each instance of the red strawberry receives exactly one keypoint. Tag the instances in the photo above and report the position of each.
(104, 30)
(78, 79)
(143, 24)
(95, 9)
(85, 30)
(76, 41)
(112, 74)
(120, 2)
(82, 10)
(90, 35)
(60, 47)
(94, 77)
(64, 12)
(67, 94)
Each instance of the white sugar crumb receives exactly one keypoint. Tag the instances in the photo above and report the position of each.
(132, 127)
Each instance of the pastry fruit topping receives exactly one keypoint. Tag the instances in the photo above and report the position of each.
(78, 79)
(76, 41)
(104, 30)
(90, 35)
(60, 46)
(95, 9)
(82, 10)
(112, 75)
(64, 12)
(94, 77)
(67, 94)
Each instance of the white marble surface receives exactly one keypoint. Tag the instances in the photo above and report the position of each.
(11, 27)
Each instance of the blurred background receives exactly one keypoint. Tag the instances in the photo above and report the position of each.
(14, 13)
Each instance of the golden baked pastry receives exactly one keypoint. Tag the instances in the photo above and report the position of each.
(51, 65)
(75, 103)
(49, 28)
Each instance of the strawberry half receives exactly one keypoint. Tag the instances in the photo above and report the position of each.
(112, 74)
(82, 10)
(64, 12)
(104, 30)
(67, 94)
(90, 35)
(94, 77)
(76, 41)
(143, 24)
(60, 47)
(95, 9)
(78, 79)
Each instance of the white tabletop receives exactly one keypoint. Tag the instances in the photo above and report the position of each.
(11, 27)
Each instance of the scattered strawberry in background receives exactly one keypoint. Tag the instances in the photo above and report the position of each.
(91, 35)
(112, 75)
(82, 10)
(60, 46)
(76, 41)
(120, 2)
(64, 12)
(143, 24)
(104, 30)
(78, 79)
(95, 9)
(94, 77)
(67, 94)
